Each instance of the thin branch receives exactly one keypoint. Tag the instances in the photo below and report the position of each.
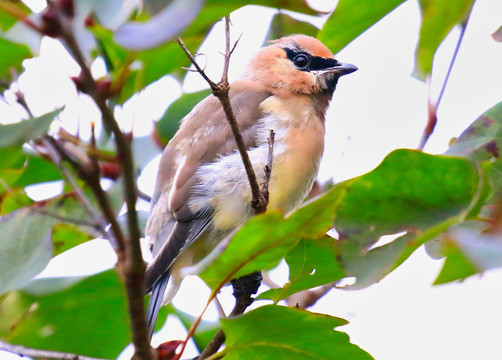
(244, 287)
(194, 63)
(268, 167)
(42, 354)
(56, 156)
(143, 195)
(433, 106)
(221, 90)
(21, 100)
(66, 218)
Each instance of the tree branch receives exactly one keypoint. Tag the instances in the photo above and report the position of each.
(221, 90)
(42, 354)
(243, 287)
(56, 154)
(130, 261)
(268, 167)
(67, 219)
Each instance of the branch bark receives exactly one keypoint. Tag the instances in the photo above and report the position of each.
(243, 287)
(260, 195)
(130, 260)
(221, 91)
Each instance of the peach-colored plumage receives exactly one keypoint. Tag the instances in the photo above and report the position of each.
(202, 191)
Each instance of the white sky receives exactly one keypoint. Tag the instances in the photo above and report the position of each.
(375, 110)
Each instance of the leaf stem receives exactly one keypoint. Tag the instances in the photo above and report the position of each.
(433, 106)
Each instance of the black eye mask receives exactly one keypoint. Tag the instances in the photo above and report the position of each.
(306, 62)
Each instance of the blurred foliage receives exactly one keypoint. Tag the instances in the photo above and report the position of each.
(68, 314)
(450, 203)
(351, 18)
(168, 124)
(438, 18)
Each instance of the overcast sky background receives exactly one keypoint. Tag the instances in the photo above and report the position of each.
(375, 110)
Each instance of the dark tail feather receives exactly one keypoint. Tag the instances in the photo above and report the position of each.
(158, 290)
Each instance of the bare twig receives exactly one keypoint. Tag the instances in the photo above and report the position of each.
(244, 287)
(433, 106)
(268, 167)
(21, 100)
(67, 218)
(56, 155)
(221, 90)
(42, 354)
(143, 195)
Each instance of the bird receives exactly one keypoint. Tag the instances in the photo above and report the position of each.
(202, 192)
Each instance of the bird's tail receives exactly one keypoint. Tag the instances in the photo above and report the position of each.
(156, 297)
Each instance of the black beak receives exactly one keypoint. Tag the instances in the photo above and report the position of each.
(341, 69)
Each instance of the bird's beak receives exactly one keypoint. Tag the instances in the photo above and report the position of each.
(340, 69)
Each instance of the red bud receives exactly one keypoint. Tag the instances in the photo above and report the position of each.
(167, 350)
(51, 25)
(89, 21)
(67, 7)
(79, 82)
(109, 171)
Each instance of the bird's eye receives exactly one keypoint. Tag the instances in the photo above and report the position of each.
(301, 61)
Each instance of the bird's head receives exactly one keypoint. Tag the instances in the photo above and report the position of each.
(298, 63)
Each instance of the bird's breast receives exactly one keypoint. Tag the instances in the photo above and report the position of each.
(298, 148)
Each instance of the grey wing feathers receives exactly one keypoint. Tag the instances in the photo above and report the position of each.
(182, 236)
(158, 290)
(157, 275)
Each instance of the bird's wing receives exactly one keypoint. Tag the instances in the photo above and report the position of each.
(203, 136)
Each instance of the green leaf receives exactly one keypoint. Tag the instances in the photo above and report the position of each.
(18, 170)
(264, 240)
(275, 332)
(83, 316)
(311, 263)
(351, 18)
(469, 250)
(455, 267)
(27, 245)
(7, 20)
(65, 237)
(283, 25)
(372, 266)
(13, 200)
(11, 166)
(12, 56)
(438, 18)
(168, 124)
(409, 191)
(21, 132)
(25, 249)
(482, 140)
(203, 334)
(37, 170)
